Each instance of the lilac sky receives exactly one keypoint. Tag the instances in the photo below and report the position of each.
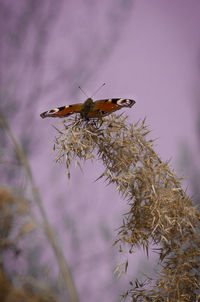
(156, 62)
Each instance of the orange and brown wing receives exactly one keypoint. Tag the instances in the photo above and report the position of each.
(63, 111)
(107, 106)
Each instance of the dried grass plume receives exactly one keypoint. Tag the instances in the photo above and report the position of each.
(160, 212)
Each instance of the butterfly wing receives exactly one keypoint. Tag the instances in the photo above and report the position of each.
(107, 106)
(90, 109)
(63, 111)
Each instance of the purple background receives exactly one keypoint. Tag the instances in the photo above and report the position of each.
(145, 50)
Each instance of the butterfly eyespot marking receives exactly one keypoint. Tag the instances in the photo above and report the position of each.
(62, 108)
(54, 110)
(124, 102)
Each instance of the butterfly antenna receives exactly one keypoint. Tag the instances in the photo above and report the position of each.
(83, 91)
(98, 89)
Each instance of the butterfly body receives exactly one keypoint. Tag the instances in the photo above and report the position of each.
(90, 109)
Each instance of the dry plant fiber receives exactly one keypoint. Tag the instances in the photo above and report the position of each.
(160, 212)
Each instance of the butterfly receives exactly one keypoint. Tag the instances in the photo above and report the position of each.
(90, 109)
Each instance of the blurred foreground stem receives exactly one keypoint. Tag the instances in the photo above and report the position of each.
(63, 266)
